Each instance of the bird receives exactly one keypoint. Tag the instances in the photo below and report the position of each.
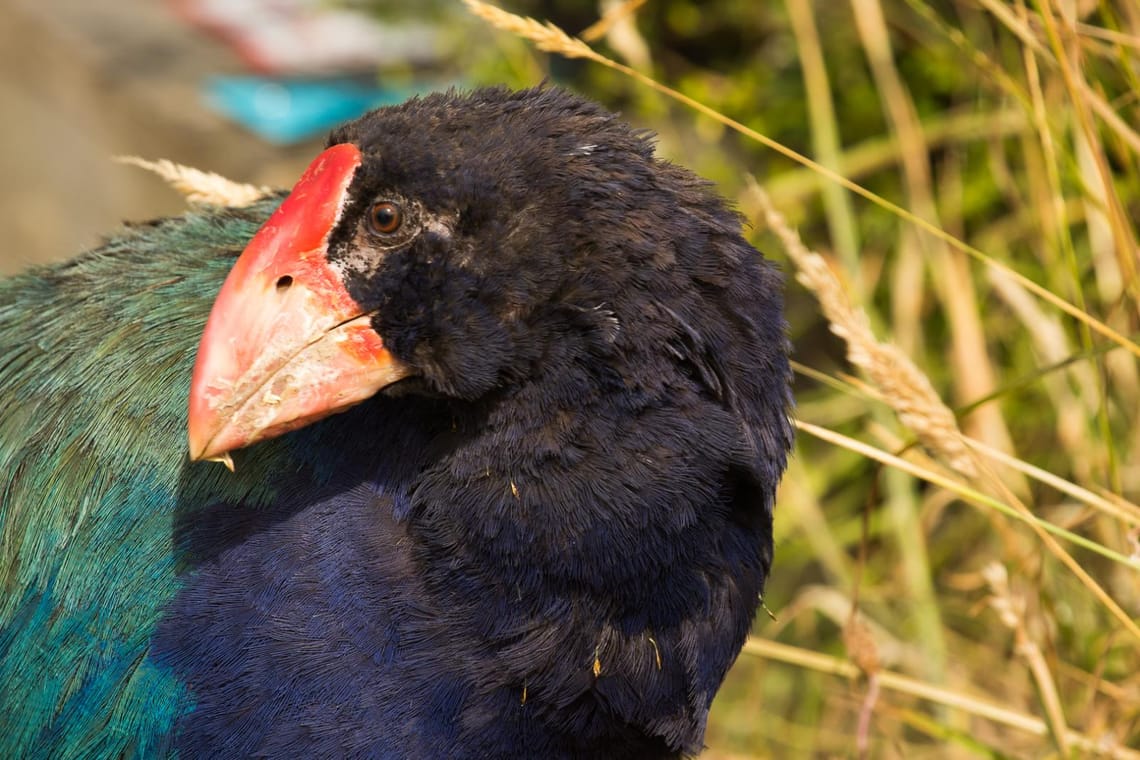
(506, 401)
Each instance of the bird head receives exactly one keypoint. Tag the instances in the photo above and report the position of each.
(465, 241)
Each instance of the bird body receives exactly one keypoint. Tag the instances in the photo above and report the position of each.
(542, 532)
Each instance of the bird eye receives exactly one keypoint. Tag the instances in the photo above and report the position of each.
(385, 217)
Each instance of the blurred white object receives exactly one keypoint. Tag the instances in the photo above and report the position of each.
(310, 37)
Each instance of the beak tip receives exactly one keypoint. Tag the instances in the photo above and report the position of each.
(200, 452)
(201, 445)
(197, 454)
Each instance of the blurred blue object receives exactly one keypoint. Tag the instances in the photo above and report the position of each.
(291, 110)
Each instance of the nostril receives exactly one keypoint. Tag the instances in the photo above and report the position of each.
(284, 283)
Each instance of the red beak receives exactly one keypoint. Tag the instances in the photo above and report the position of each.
(285, 343)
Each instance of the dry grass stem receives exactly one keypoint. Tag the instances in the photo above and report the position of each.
(952, 282)
(909, 392)
(903, 385)
(199, 187)
(1011, 610)
(902, 684)
(613, 15)
(1082, 97)
(1111, 505)
(1118, 509)
(1045, 530)
(977, 497)
(860, 645)
(1109, 35)
(1030, 40)
(825, 138)
(546, 37)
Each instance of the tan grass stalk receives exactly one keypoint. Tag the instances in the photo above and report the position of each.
(908, 390)
(878, 153)
(1043, 527)
(1110, 504)
(622, 35)
(546, 37)
(552, 39)
(825, 140)
(1011, 610)
(1122, 510)
(1099, 105)
(199, 187)
(994, 72)
(1062, 231)
(919, 407)
(1012, 506)
(1109, 35)
(1051, 344)
(602, 26)
(977, 706)
(952, 281)
(903, 385)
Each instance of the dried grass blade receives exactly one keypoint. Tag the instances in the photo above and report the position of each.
(822, 663)
(199, 187)
(977, 497)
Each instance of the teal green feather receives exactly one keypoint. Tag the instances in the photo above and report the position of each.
(95, 362)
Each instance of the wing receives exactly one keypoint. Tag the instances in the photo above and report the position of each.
(95, 360)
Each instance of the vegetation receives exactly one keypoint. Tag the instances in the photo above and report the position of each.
(958, 563)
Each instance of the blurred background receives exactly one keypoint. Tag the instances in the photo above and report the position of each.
(965, 585)
(81, 82)
(244, 88)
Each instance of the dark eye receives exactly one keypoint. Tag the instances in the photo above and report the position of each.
(385, 217)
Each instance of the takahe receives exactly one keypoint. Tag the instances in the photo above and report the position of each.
(540, 529)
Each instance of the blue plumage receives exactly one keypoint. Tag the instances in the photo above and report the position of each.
(548, 541)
